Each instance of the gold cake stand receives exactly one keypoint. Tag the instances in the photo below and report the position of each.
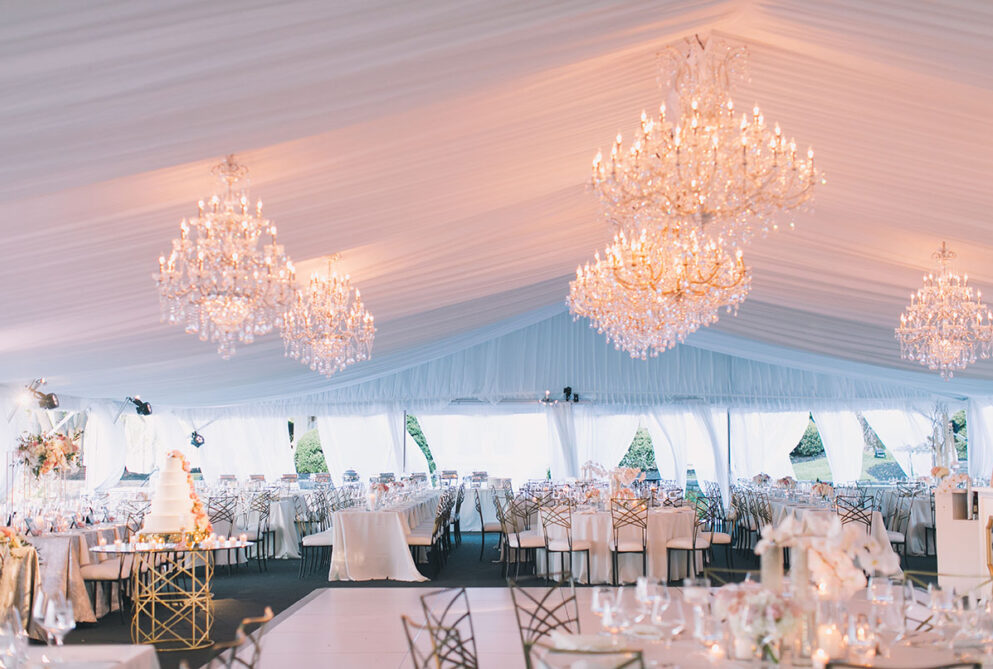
(173, 606)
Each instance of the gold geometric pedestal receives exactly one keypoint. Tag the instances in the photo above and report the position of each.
(173, 605)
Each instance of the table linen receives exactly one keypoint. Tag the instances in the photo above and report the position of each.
(102, 656)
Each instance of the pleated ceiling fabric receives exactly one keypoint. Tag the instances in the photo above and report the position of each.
(444, 150)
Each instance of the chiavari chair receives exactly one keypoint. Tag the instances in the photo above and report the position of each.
(556, 523)
(538, 615)
(697, 542)
(427, 653)
(446, 610)
(628, 516)
(852, 510)
(246, 648)
(484, 526)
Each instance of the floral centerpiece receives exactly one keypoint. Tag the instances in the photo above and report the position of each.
(757, 617)
(201, 521)
(621, 478)
(953, 482)
(49, 453)
(593, 471)
(787, 482)
(9, 536)
(761, 479)
(822, 490)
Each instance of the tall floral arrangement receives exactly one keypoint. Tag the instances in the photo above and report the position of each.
(49, 453)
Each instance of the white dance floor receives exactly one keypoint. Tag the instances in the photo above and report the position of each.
(360, 627)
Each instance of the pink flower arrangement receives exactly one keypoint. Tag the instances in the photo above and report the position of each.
(9, 535)
(57, 453)
(761, 479)
(940, 472)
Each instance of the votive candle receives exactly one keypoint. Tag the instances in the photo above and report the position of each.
(820, 658)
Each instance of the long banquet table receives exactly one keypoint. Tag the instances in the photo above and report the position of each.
(95, 656)
(370, 545)
(596, 527)
(360, 627)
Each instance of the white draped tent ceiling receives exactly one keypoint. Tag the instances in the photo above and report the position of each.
(444, 148)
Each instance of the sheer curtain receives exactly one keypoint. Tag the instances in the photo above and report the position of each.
(603, 438)
(841, 433)
(565, 458)
(512, 445)
(370, 444)
(104, 449)
(246, 446)
(671, 431)
(979, 418)
(905, 434)
(761, 441)
(714, 434)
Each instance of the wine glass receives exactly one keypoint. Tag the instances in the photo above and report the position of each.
(53, 613)
(647, 591)
(603, 598)
(669, 619)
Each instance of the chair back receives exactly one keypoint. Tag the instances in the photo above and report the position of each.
(449, 610)
(538, 615)
(436, 647)
(222, 508)
(246, 649)
(854, 511)
(557, 518)
(626, 513)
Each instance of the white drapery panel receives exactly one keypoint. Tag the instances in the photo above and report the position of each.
(416, 461)
(905, 434)
(565, 449)
(104, 449)
(761, 441)
(246, 446)
(672, 431)
(513, 445)
(979, 418)
(841, 434)
(149, 438)
(603, 437)
(20, 421)
(370, 444)
(714, 424)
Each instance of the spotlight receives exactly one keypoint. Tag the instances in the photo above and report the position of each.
(196, 440)
(45, 400)
(141, 408)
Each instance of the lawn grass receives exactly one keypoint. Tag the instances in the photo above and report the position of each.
(817, 468)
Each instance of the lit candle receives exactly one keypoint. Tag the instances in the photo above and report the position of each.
(102, 541)
(242, 538)
(829, 639)
(820, 658)
(716, 653)
(117, 543)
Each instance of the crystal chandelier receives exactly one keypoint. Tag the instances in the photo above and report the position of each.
(648, 292)
(220, 280)
(702, 163)
(945, 325)
(328, 327)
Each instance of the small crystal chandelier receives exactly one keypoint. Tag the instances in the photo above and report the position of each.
(328, 327)
(945, 326)
(703, 164)
(220, 280)
(648, 292)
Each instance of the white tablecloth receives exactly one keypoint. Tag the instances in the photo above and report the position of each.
(596, 526)
(371, 545)
(920, 517)
(780, 510)
(96, 656)
(470, 518)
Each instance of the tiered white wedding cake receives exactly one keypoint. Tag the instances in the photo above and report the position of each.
(172, 509)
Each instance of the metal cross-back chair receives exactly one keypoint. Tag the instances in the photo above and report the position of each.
(899, 522)
(852, 510)
(716, 527)
(484, 527)
(628, 516)
(223, 508)
(673, 497)
(436, 647)
(538, 615)
(246, 648)
(560, 658)
(518, 539)
(260, 508)
(556, 523)
(457, 515)
(449, 610)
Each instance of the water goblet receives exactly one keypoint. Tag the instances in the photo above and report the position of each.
(603, 598)
(670, 620)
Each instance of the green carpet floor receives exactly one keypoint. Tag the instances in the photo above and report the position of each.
(247, 592)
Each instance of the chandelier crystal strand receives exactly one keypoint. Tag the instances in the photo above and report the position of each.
(703, 163)
(328, 327)
(648, 292)
(945, 326)
(221, 280)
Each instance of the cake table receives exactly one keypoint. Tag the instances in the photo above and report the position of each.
(172, 600)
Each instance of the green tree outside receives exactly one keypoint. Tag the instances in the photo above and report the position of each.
(414, 430)
(309, 458)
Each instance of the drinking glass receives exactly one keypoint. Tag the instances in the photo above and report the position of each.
(603, 598)
(647, 591)
(670, 620)
(53, 613)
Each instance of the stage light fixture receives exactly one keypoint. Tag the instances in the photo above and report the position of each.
(196, 440)
(45, 400)
(141, 408)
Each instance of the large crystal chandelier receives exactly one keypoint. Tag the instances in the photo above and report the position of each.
(221, 280)
(648, 292)
(946, 325)
(328, 327)
(702, 163)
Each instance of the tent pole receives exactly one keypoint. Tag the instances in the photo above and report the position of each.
(404, 427)
(728, 412)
